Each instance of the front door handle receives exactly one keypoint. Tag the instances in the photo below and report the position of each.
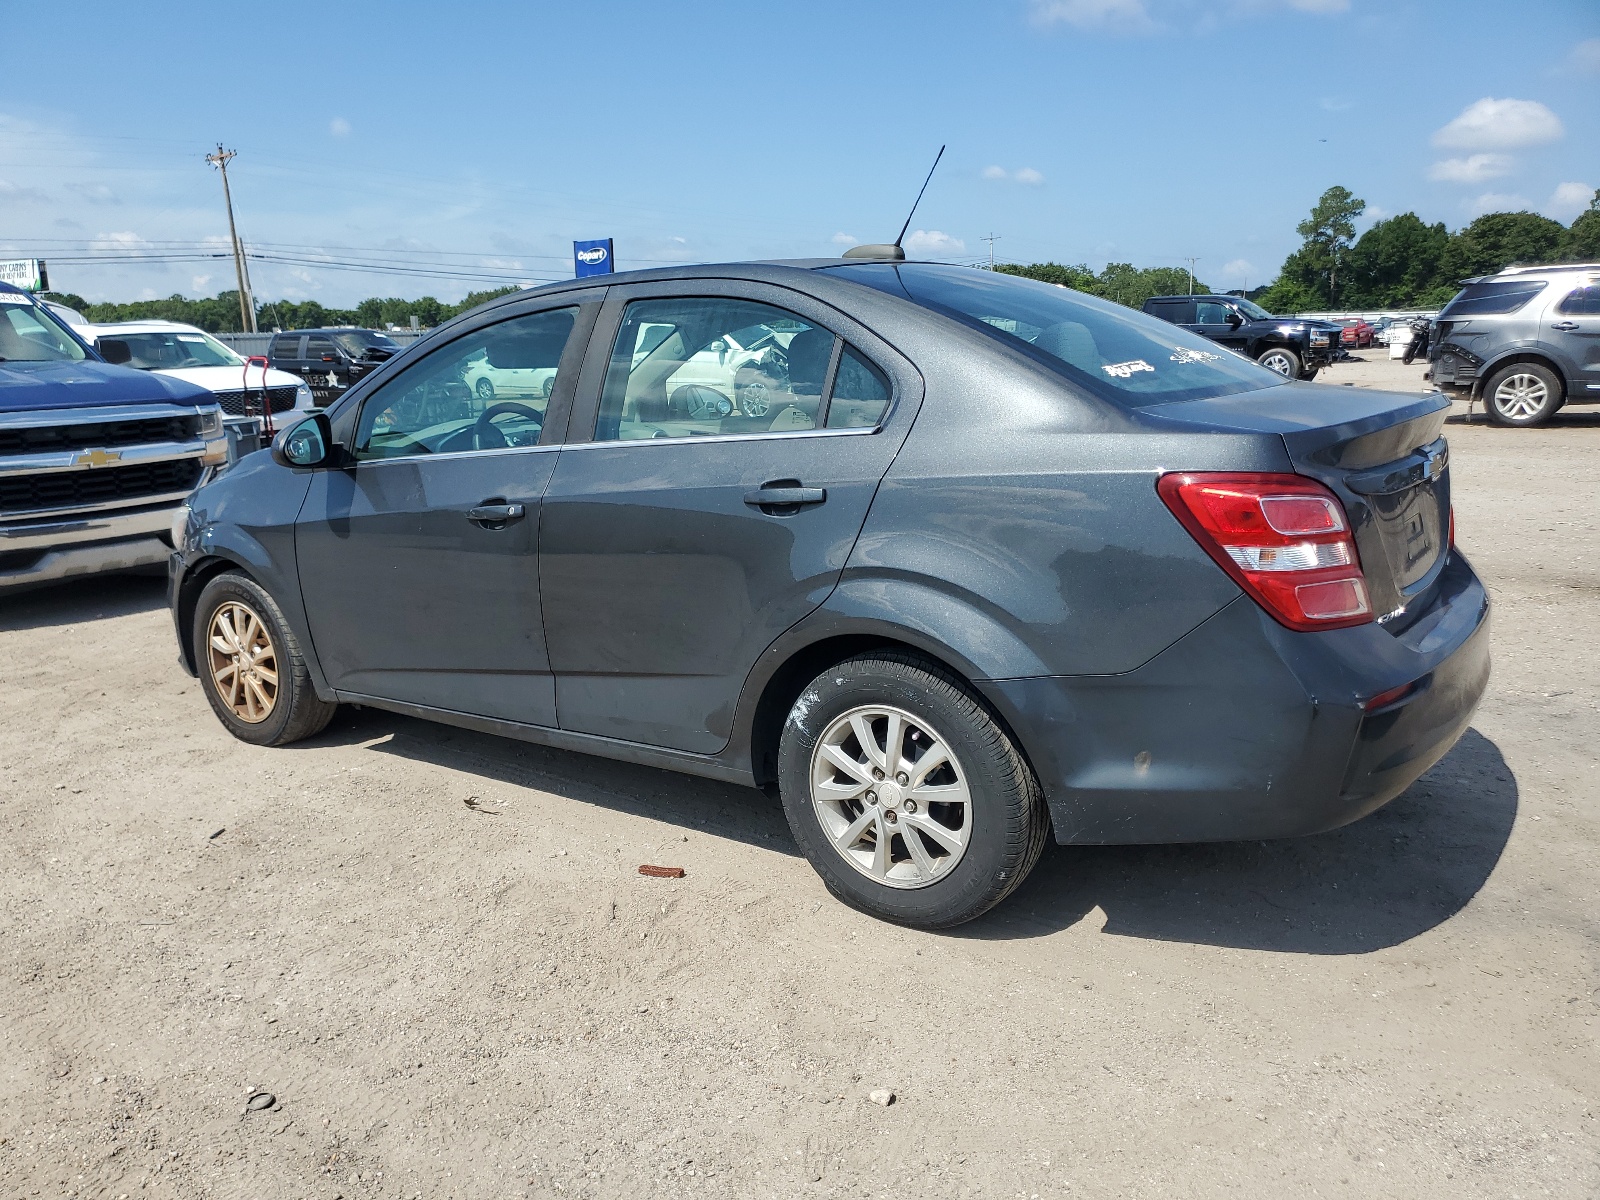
(1565, 326)
(496, 516)
(770, 496)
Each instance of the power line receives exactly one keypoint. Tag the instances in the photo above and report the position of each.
(991, 239)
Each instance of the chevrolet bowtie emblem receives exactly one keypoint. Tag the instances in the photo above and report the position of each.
(97, 458)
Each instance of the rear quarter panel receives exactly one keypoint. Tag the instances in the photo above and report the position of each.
(1020, 523)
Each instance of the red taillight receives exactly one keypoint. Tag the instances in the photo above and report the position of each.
(1452, 527)
(1283, 538)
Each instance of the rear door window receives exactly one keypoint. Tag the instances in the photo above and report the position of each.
(712, 366)
(1179, 312)
(1492, 299)
(286, 347)
(1585, 301)
(1119, 354)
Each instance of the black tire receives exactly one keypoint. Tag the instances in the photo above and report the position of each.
(1009, 821)
(1280, 360)
(1523, 395)
(1309, 375)
(296, 711)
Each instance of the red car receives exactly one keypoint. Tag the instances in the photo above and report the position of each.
(1357, 333)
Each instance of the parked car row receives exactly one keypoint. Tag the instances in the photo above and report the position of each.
(980, 562)
(1294, 347)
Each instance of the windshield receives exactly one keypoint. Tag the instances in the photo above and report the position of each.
(1117, 353)
(1253, 310)
(30, 334)
(357, 342)
(168, 351)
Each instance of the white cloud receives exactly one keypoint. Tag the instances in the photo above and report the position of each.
(934, 243)
(1239, 271)
(1025, 175)
(843, 239)
(1377, 212)
(198, 282)
(94, 193)
(1586, 55)
(1476, 169)
(339, 127)
(1568, 200)
(1496, 202)
(1320, 7)
(1122, 16)
(19, 194)
(1491, 124)
(1334, 104)
(125, 240)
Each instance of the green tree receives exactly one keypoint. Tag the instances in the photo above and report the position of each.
(1582, 242)
(1395, 264)
(1122, 282)
(1314, 273)
(1497, 240)
(1079, 278)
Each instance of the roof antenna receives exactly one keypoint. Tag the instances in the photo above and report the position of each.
(893, 252)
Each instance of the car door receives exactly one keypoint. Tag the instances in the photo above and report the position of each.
(684, 532)
(1220, 322)
(1571, 331)
(419, 561)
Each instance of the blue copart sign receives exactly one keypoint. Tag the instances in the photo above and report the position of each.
(592, 258)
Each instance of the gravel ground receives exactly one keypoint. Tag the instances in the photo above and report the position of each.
(433, 949)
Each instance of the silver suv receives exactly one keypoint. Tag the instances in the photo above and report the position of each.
(1526, 341)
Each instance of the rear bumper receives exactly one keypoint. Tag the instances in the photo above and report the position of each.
(1246, 730)
(39, 552)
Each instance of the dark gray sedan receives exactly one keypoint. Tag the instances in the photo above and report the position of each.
(974, 560)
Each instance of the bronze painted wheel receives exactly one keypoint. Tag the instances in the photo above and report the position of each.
(244, 662)
(251, 667)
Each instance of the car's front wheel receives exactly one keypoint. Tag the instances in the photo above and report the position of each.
(906, 795)
(1523, 394)
(1282, 360)
(251, 667)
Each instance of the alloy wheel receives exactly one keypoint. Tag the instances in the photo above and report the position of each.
(891, 796)
(1279, 363)
(243, 661)
(755, 398)
(1521, 397)
(485, 389)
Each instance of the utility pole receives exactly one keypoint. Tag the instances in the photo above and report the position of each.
(247, 303)
(1191, 262)
(991, 239)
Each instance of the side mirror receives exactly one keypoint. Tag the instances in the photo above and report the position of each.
(1235, 320)
(114, 350)
(304, 446)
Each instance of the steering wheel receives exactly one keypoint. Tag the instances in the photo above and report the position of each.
(486, 437)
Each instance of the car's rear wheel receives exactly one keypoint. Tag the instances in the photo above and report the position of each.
(906, 795)
(251, 666)
(1523, 394)
(1284, 361)
(485, 389)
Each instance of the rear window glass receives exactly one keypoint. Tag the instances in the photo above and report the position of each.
(1492, 299)
(1128, 357)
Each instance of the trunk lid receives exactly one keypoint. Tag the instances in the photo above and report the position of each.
(1381, 453)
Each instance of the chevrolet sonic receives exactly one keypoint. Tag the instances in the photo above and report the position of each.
(949, 560)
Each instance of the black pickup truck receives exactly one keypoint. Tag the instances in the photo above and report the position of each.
(1292, 346)
(330, 360)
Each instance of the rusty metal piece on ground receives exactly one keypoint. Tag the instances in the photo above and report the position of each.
(661, 872)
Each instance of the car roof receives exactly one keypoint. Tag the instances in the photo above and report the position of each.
(153, 325)
(1547, 269)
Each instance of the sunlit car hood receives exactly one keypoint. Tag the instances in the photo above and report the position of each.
(30, 386)
(229, 379)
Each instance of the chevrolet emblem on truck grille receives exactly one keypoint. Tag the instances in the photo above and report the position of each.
(97, 458)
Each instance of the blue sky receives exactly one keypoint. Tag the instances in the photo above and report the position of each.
(481, 139)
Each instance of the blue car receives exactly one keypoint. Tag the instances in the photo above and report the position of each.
(984, 562)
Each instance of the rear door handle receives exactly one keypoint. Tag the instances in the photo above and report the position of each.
(496, 514)
(1565, 326)
(785, 497)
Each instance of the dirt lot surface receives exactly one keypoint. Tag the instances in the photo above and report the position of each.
(485, 999)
